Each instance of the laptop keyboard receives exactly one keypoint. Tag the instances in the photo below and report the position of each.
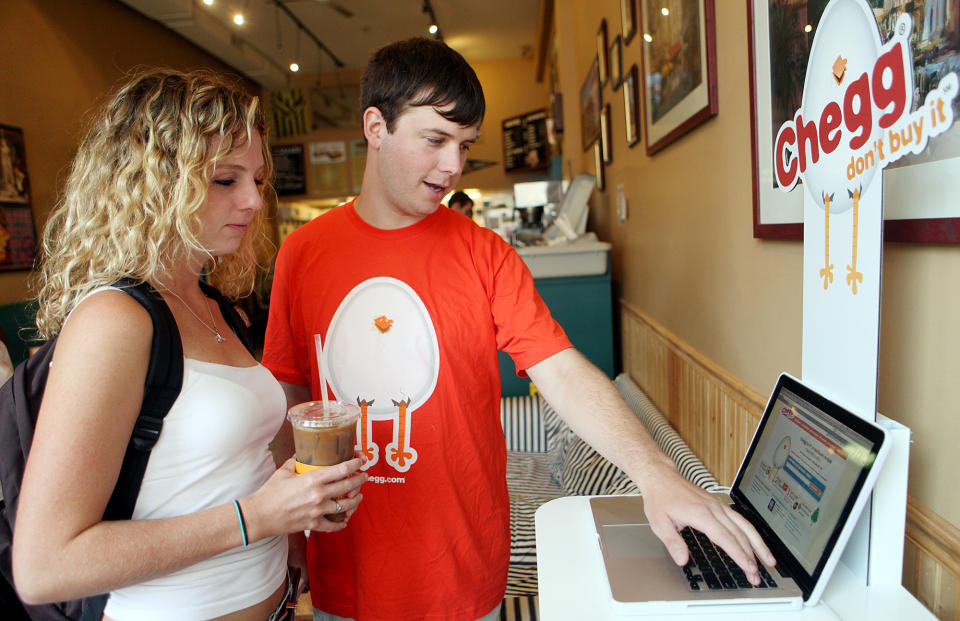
(710, 568)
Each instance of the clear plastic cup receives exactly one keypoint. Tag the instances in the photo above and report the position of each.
(323, 436)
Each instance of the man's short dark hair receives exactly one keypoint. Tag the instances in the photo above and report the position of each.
(459, 198)
(422, 72)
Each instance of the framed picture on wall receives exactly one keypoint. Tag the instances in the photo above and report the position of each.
(919, 190)
(18, 235)
(631, 105)
(615, 59)
(606, 148)
(679, 69)
(590, 107)
(598, 165)
(602, 51)
(628, 20)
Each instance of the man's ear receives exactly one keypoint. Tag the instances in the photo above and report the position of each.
(374, 126)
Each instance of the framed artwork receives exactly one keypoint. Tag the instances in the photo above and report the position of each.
(919, 193)
(598, 164)
(615, 59)
(602, 51)
(18, 235)
(628, 19)
(631, 105)
(590, 107)
(679, 69)
(606, 148)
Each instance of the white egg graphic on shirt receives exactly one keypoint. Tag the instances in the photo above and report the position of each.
(381, 352)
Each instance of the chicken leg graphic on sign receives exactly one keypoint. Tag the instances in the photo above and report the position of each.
(382, 353)
(854, 120)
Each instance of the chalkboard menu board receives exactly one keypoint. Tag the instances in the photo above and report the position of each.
(289, 168)
(525, 142)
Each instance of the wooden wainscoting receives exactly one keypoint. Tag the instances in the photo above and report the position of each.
(717, 414)
(713, 411)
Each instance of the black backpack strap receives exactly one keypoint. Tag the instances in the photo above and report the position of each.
(163, 384)
(164, 380)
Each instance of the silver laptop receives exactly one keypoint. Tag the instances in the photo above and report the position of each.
(802, 484)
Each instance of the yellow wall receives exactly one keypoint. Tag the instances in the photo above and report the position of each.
(687, 257)
(59, 60)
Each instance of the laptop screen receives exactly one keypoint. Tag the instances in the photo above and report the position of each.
(803, 472)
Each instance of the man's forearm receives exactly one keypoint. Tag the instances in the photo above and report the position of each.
(589, 402)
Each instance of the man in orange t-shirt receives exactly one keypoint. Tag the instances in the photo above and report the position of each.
(413, 303)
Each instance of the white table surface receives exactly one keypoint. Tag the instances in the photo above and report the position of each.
(573, 587)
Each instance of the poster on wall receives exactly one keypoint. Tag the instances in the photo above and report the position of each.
(18, 239)
(289, 175)
(920, 189)
(289, 112)
(328, 167)
(525, 142)
(358, 162)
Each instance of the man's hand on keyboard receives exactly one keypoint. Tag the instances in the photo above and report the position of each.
(673, 503)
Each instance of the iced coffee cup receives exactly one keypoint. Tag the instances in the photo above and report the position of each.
(323, 436)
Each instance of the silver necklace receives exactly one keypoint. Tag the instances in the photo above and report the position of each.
(214, 329)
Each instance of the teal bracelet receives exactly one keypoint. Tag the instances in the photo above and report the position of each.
(243, 528)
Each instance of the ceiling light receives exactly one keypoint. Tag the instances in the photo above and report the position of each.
(807, 28)
(664, 11)
(434, 28)
(208, 2)
(238, 19)
(294, 67)
(647, 37)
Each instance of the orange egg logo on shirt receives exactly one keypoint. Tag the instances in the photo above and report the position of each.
(383, 324)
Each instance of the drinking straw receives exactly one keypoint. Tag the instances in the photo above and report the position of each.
(323, 381)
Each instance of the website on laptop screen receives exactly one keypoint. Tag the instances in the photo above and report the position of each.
(802, 473)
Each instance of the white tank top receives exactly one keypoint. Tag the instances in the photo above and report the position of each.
(213, 448)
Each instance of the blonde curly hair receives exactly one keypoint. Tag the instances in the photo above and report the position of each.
(132, 203)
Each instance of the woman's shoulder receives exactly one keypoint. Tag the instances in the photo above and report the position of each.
(112, 315)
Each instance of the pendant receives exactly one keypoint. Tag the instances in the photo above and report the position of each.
(220, 339)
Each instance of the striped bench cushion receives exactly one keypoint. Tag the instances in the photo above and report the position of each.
(529, 484)
(585, 472)
(522, 423)
(521, 608)
(664, 434)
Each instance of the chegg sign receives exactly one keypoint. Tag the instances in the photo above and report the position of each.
(855, 114)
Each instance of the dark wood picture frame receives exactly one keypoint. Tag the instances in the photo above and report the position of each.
(675, 106)
(631, 105)
(602, 52)
(771, 57)
(615, 60)
(606, 144)
(591, 104)
(628, 20)
(18, 233)
(598, 164)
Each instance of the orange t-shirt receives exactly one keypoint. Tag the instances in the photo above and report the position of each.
(411, 321)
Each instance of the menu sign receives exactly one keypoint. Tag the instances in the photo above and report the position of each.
(290, 177)
(525, 141)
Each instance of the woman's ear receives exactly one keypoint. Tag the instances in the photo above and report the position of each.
(374, 126)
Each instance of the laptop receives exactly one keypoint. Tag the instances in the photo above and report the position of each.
(803, 483)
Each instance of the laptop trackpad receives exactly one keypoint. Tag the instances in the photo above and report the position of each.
(631, 541)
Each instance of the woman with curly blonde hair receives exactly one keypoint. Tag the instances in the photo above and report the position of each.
(168, 184)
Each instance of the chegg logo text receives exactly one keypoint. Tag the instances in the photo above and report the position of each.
(799, 142)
